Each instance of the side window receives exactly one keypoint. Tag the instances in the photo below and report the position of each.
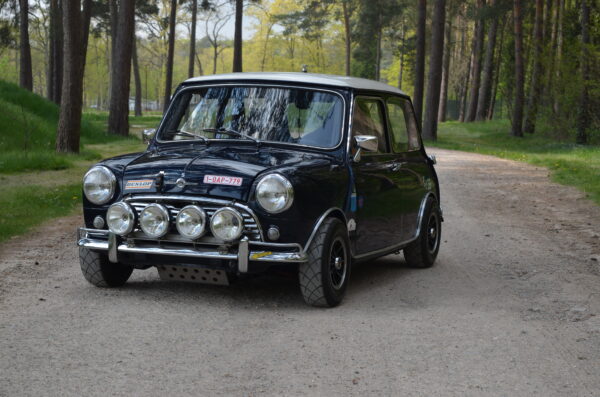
(368, 120)
(398, 124)
(405, 134)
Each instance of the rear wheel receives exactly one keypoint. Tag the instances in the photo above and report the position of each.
(99, 271)
(423, 251)
(324, 277)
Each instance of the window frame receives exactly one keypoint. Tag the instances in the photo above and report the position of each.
(417, 131)
(192, 87)
(382, 102)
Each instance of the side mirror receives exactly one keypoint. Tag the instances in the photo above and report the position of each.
(432, 159)
(148, 135)
(368, 143)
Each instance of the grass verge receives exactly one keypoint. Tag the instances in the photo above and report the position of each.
(27, 206)
(570, 164)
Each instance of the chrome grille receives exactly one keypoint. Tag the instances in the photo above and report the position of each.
(251, 228)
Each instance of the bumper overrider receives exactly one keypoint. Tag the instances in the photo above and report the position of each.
(246, 256)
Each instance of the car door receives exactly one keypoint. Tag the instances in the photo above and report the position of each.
(406, 145)
(377, 215)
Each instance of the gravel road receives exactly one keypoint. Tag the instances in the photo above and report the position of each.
(512, 307)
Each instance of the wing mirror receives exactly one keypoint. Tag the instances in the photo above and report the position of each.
(368, 143)
(148, 135)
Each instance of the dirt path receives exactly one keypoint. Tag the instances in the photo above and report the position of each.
(511, 308)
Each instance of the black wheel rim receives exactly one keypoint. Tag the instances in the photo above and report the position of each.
(433, 232)
(338, 263)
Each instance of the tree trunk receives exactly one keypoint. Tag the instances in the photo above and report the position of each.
(467, 79)
(137, 78)
(435, 70)
(69, 121)
(237, 37)
(558, 57)
(517, 118)
(403, 43)
(25, 69)
(118, 116)
(378, 50)
(170, 53)
(445, 73)
(496, 77)
(192, 57)
(488, 67)
(476, 70)
(347, 33)
(113, 8)
(583, 119)
(536, 86)
(55, 52)
(420, 61)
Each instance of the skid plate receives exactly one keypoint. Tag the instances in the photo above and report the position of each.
(193, 274)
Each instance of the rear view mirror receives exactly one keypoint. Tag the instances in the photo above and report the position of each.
(367, 143)
(148, 135)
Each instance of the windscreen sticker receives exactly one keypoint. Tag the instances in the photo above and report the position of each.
(139, 184)
(223, 180)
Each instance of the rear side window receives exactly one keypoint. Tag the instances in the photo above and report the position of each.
(368, 120)
(404, 133)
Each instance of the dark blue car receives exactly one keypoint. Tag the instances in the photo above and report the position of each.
(252, 171)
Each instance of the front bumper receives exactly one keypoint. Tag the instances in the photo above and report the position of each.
(244, 254)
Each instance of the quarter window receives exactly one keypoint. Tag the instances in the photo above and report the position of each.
(368, 120)
(404, 132)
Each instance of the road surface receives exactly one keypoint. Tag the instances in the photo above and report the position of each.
(512, 307)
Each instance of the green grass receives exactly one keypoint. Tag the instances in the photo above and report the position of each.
(28, 133)
(27, 206)
(570, 164)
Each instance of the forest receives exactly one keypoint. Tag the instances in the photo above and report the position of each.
(533, 62)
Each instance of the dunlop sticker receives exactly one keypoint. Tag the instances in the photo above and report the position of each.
(139, 184)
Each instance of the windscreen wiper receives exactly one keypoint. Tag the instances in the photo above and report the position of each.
(231, 132)
(189, 134)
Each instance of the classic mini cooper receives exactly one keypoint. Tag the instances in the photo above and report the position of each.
(252, 171)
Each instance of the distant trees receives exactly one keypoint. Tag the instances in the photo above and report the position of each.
(535, 63)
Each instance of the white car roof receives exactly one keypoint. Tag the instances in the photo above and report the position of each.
(307, 78)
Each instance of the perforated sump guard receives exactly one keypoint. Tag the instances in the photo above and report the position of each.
(192, 274)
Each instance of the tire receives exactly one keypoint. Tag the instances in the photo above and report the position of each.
(324, 277)
(98, 271)
(422, 252)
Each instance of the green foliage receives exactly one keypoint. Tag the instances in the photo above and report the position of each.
(27, 206)
(28, 125)
(570, 164)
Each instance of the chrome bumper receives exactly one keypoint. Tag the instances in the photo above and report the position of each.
(102, 240)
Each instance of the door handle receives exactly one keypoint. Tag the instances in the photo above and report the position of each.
(395, 166)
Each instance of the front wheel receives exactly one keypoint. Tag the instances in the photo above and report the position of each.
(423, 251)
(324, 277)
(99, 271)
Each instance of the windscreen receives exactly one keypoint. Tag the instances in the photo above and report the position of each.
(268, 114)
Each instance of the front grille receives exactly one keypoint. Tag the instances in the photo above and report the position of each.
(251, 227)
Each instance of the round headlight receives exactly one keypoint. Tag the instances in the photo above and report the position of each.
(120, 218)
(227, 224)
(191, 222)
(99, 185)
(155, 220)
(274, 193)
